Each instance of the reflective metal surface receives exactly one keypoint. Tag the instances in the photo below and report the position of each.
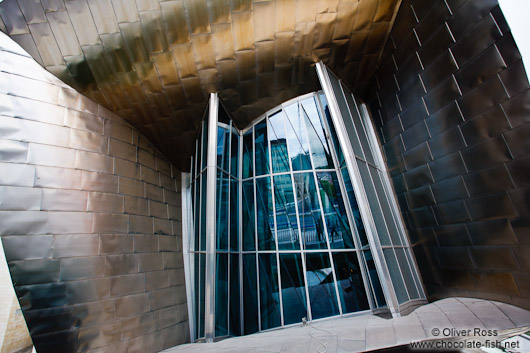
(154, 62)
(90, 215)
(451, 104)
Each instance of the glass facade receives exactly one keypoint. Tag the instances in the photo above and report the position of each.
(290, 237)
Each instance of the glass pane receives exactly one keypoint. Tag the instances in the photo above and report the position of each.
(334, 212)
(204, 141)
(234, 215)
(374, 279)
(201, 294)
(286, 220)
(296, 138)
(406, 272)
(197, 187)
(395, 275)
(354, 207)
(250, 296)
(280, 161)
(321, 286)
(317, 139)
(293, 288)
(262, 148)
(222, 211)
(333, 133)
(234, 154)
(249, 242)
(221, 295)
(197, 293)
(265, 214)
(223, 148)
(269, 295)
(351, 286)
(235, 318)
(248, 151)
(309, 212)
(203, 211)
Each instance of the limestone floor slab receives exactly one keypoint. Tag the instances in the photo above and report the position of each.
(368, 332)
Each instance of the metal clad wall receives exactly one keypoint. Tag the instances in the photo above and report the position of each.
(452, 106)
(90, 219)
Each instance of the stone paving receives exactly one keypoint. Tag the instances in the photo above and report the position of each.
(369, 332)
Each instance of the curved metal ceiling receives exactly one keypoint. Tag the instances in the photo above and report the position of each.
(154, 62)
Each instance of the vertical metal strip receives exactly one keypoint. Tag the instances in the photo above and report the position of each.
(209, 295)
(187, 236)
(349, 157)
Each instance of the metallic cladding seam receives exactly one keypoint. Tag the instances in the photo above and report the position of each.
(451, 108)
(90, 218)
(155, 62)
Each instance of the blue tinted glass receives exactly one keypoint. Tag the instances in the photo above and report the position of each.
(333, 133)
(203, 211)
(201, 294)
(248, 151)
(354, 207)
(269, 295)
(309, 212)
(221, 295)
(321, 286)
(250, 296)
(317, 139)
(223, 148)
(350, 282)
(293, 288)
(235, 319)
(204, 142)
(262, 149)
(297, 138)
(234, 215)
(222, 211)
(197, 200)
(234, 153)
(278, 141)
(286, 219)
(249, 242)
(197, 293)
(374, 279)
(339, 233)
(265, 214)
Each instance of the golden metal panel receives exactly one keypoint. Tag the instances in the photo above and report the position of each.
(135, 41)
(284, 47)
(53, 5)
(210, 81)
(345, 20)
(196, 10)
(97, 63)
(243, 30)
(46, 44)
(192, 89)
(154, 31)
(13, 19)
(265, 56)
(116, 52)
(284, 19)
(222, 41)
(125, 10)
(324, 30)
(176, 24)
(246, 64)
(306, 11)
(365, 15)
(385, 11)
(103, 15)
(131, 85)
(327, 6)
(263, 26)
(83, 23)
(203, 51)
(228, 73)
(146, 5)
(149, 77)
(241, 5)
(303, 38)
(32, 10)
(62, 30)
(185, 61)
(165, 64)
(219, 11)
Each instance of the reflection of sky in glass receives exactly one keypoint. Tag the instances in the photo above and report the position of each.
(296, 138)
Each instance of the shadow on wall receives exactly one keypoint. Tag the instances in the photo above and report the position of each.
(452, 108)
(90, 219)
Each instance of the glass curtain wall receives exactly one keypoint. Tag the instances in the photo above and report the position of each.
(381, 211)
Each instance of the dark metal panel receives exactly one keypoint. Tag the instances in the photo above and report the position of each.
(428, 24)
(442, 95)
(135, 41)
(519, 170)
(417, 156)
(514, 78)
(452, 212)
(419, 197)
(449, 189)
(418, 177)
(413, 114)
(175, 20)
(438, 70)
(518, 141)
(494, 232)
(410, 93)
(498, 258)
(392, 128)
(452, 235)
(422, 217)
(485, 125)
(454, 257)
(447, 142)
(508, 49)
(435, 46)
(265, 57)
(486, 153)
(468, 15)
(489, 180)
(415, 135)
(148, 77)
(444, 119)
(491, 207)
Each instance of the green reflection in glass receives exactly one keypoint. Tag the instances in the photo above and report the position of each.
(278, 141)
(221, 295)
(354, 207)
(262, 149)
(286, 220)
(250, 294)
(234, 154)
(333, 133)
(265, 214)
(293, 288)
(234, 215)
(321, 286)
(222, 210)
(249, 241)
(317, 139)
(350, 282)
(235, 318)
(223, 148)
(269, 295)
(297, 138)
(248, 151)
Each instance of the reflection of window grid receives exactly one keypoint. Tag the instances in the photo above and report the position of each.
(248, 143)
